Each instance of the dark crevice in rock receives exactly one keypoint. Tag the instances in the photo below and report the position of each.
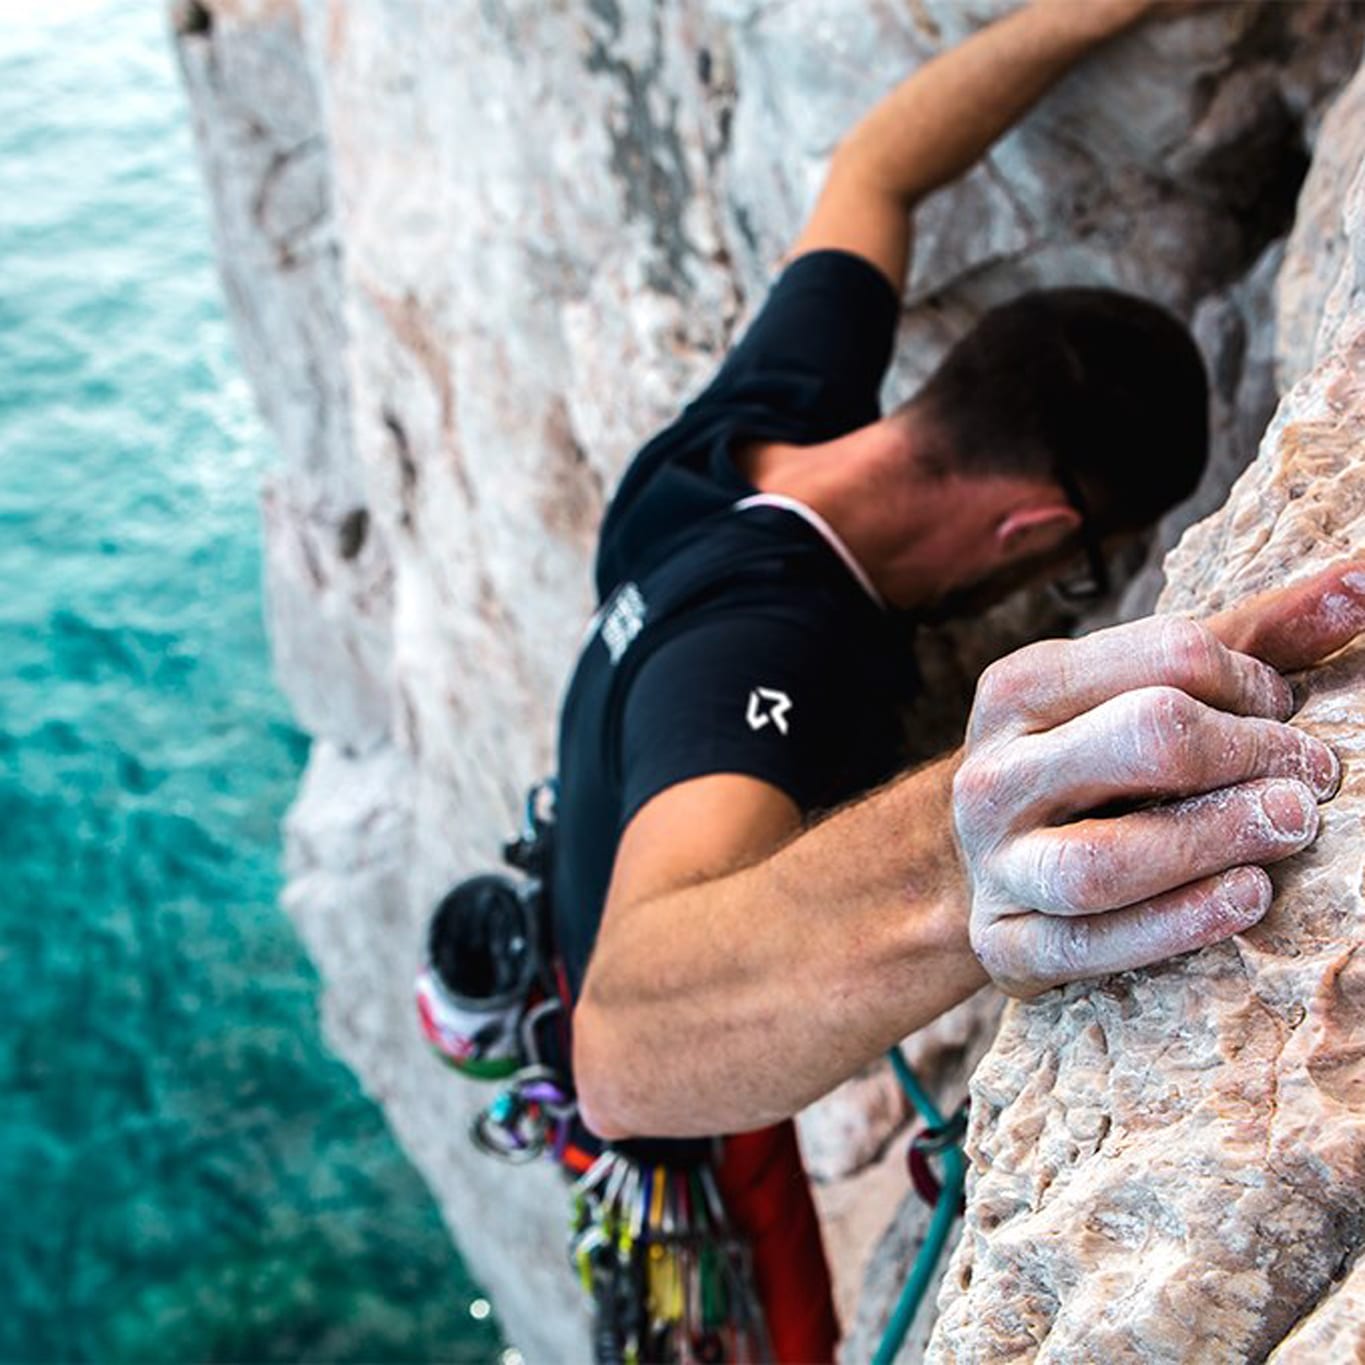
(610, 14)
(353, 531)
(412, 732)
(192, 19)
(719, 94)
(407, 467)
(311, 562)
(746, 228)
(276, 169)
(925, 22)
(647, 153)
(1259, 178)
(1252, 188)
(1230, 356)
(1344, 1230)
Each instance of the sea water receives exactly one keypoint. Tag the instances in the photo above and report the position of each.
(186, 1173)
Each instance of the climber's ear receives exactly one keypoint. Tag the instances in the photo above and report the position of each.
(1298, 626)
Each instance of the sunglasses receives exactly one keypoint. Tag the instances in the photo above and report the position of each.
(1090, 582)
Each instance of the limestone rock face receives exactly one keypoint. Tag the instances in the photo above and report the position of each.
(1319, 284)
(1168, 1165)
(477, 254)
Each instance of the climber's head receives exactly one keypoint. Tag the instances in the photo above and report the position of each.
(1096, 399)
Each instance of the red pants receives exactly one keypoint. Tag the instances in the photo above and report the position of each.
(767, 1196)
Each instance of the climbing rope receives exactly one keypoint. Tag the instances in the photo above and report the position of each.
(942, 1139)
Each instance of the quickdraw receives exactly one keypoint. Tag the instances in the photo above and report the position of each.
(528, 1116)
(533, 1113)
(933, 1141)
(668, 1279)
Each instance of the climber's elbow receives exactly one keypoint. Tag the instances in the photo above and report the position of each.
(599, 1075)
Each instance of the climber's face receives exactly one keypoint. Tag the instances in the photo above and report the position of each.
(1069, 568)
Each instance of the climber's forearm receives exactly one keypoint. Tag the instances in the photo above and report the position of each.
(940, 120)
(733, 1003)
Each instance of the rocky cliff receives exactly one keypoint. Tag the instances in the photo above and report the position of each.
(1169, 1166)
(477, 253)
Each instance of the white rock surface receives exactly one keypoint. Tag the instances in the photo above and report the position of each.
(477, 254)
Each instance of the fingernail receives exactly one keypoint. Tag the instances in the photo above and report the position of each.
(1280, 700)
(1248, 892)
(1289, 809)
(1326, 771)
(1355, 580)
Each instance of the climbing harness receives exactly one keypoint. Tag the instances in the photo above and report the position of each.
(942, 1139)
(668, 1278)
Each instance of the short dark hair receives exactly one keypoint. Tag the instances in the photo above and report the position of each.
(1109, 387)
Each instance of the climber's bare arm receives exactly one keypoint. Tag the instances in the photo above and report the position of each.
(745, 967)
(720, 999)
(941, 119)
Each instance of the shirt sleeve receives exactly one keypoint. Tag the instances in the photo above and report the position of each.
(749, 692)
(819, 347)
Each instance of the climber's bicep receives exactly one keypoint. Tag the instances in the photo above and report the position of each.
(854, 213)
(696, 831)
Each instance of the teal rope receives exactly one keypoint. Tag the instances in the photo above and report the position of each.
(918, 1095)
(940, 1225)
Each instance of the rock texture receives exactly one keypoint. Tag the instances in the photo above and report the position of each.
(477, 253)
(1170, 1166)
(1334, 1331)
(1320, 283)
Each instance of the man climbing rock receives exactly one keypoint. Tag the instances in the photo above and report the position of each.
(735, 949)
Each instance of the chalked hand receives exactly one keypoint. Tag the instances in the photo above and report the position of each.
(1120, 795)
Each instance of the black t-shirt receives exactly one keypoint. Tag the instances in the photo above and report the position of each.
(734, 638)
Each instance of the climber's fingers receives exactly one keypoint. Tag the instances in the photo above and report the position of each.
(1158, 711)
(1296, 627)
(1095, 865)
(1044, 685)
(1029, 953)
(1154, 743)
(1229, 661)
(1061, 891)
(1056, 898)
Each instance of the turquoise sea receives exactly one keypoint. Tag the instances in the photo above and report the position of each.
(186, 1172)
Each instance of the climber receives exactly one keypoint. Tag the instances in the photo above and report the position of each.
(732, 956)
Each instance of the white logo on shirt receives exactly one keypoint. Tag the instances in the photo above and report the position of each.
(624, 621)
(775, 710)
